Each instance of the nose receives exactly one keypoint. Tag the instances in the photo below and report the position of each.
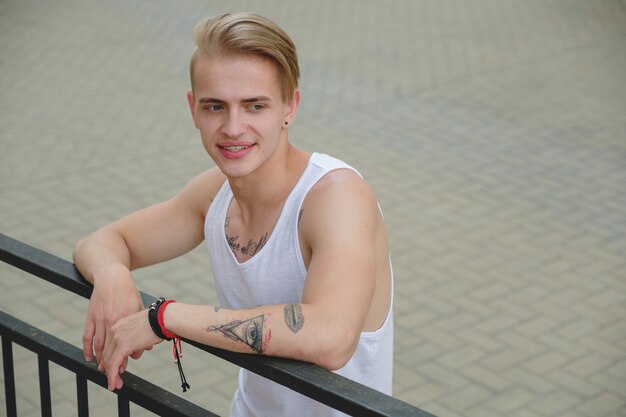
(234, 125)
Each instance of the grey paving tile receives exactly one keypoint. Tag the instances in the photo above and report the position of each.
(492, 133)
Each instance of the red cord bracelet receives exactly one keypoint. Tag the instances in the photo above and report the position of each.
(177, 348)
(167, 333)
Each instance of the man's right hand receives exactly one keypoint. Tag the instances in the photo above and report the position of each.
(114, 297)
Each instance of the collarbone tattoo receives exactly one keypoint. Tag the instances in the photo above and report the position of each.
(251, 248)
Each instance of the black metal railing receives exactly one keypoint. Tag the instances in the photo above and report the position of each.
(317, 383)
(51, 349)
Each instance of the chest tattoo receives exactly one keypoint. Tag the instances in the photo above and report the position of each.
(250, 249)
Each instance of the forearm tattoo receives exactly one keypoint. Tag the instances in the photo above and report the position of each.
(294, 317)
(250, 332)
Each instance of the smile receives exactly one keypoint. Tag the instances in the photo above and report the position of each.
(235, 148)
(235, 151)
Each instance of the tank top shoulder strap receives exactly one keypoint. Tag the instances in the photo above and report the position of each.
(319, 165)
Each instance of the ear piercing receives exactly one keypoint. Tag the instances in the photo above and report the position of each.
(286, 123)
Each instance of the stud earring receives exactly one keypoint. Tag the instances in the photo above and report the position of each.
(286, 123)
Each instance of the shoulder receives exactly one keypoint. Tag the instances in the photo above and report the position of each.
(340, 201)
(201, 190)
(344, 184)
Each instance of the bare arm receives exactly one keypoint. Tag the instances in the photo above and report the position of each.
(152, 235)
(338, 227)
(148, 236)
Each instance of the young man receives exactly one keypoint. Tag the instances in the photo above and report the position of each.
(297, 242)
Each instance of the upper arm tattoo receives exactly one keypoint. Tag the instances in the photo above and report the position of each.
(294, 317)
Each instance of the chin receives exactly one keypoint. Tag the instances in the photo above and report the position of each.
(235, 170)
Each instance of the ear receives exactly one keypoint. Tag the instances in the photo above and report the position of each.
(192, 105)
(292, 106)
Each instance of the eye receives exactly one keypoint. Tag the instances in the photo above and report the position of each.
(256, 107)
(253, 334)
(214, 107)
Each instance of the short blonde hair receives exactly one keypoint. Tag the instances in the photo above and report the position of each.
(248, 34)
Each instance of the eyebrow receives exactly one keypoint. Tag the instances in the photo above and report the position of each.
(246, 100)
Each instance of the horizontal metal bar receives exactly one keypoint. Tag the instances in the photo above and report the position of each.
(320, 384)
(135, 389)
(43, 265)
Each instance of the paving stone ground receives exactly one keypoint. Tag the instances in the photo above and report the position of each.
(493, 133)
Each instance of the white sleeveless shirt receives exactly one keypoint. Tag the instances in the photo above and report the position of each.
(276, 275)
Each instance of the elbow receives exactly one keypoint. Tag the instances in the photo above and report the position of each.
(77, 247)
(335, 351)
(332, 362)
(77, 250)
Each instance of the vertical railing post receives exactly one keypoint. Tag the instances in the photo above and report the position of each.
(82, 398)
(44, 386)
(9, 377)
(123, 405)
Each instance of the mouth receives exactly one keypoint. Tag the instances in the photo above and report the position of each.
(235, 151)
(235, 148)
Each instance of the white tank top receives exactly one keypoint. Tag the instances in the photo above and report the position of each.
(276, 275)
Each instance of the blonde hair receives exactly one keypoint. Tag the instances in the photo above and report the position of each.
(248, 34)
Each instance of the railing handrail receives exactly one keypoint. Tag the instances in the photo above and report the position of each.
(135, 389)
(317, 383)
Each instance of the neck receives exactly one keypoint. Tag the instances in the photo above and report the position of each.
(269, 186)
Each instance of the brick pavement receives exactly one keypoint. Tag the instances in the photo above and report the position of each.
(492, 132)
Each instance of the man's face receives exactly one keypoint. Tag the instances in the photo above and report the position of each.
(237, 106)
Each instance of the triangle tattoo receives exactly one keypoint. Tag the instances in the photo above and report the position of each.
(250, 332)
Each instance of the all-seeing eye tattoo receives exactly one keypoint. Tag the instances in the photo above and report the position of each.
(294, 317)
(250, 332)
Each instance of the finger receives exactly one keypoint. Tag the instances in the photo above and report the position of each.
(104, 357)
(118, 382)
(123, 365)
(113, 365)
(99, 340)
(88, 334)
(113, 381)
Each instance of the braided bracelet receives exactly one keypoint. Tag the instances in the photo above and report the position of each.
(155, 318)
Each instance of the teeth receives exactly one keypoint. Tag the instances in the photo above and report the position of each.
(235, 148)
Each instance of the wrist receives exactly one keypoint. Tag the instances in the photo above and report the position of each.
(168, 318)
(156, 318)
(112, 273)
(169, 335)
